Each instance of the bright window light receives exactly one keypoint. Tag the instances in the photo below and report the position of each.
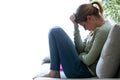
(24, 27)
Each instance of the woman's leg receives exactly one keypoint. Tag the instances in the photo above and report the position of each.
(62, 51)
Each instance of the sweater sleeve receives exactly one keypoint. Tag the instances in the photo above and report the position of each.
(96, 48)
(77, 40)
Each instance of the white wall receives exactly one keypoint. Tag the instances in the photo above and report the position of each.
(24, 27)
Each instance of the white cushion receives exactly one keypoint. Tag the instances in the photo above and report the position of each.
(108, 64)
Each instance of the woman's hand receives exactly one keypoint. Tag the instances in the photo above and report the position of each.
(72, 18)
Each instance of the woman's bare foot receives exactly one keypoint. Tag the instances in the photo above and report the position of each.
(53, 74)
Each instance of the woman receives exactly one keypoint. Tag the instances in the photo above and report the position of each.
(79, 59)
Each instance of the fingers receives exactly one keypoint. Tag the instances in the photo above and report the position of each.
(72, 18)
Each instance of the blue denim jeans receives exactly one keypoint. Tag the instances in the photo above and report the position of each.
(62, 51)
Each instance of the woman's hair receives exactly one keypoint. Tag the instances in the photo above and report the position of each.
(84, 10)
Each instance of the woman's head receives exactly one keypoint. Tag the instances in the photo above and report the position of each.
(86, 11)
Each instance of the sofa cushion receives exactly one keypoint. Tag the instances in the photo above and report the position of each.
(109, 62)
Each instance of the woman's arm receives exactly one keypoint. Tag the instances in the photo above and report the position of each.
(79, 44)
(77, 38)
(96, 48)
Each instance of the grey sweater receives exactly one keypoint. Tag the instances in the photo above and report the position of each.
(89, 50)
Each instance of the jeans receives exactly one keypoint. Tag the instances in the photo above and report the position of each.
(62, 51)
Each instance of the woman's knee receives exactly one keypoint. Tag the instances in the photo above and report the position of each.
(55, 30)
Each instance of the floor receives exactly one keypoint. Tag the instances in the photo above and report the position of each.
(45, 69)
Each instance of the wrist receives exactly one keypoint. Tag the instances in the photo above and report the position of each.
(76, 25)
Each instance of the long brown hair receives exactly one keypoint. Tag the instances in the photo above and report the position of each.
(88, 9)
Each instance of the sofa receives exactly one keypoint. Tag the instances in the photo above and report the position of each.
(109, 62)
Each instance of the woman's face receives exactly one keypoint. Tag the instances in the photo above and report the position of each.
(90, 24)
